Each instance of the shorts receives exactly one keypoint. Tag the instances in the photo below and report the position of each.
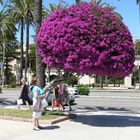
(61, 97)
(36, 115)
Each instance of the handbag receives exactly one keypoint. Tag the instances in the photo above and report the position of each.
(44, 103)
(19, 101)
(37, 106)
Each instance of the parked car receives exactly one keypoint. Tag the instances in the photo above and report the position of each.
(72, 90)
(71, 96)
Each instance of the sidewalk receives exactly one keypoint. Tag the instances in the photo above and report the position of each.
(86, 126)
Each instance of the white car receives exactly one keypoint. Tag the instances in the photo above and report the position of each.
(72, 90)
(71, 96)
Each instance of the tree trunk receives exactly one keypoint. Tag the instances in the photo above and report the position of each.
(114, 82)
(101, 82)
(3, 74)
(106, 81)
(21, 50)
(6, 70)
(40, 68)
(49, 74)
(27, 47)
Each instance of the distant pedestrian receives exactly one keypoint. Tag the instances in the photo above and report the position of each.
(66, 97)
(55, 100)
(61, 95)
(24, 94)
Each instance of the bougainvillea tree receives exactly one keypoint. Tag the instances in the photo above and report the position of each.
(87, 39)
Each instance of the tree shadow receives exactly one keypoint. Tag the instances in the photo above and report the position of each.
(109, 109)
(106, 108)
(4, 101)
(115, 117)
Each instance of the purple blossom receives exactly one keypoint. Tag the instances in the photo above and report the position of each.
(87, 39)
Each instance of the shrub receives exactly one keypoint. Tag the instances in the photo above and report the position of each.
(12, 85)
(95, 85)
(83, 90)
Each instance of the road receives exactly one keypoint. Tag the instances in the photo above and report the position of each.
(9, 96)
(109, 101)
(113, 99)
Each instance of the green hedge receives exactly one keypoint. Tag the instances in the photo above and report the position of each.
(11, 85)
(83, 90)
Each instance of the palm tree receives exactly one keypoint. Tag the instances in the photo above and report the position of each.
(22, 13)
(138, 1)
(29, 20)
(137, 47)
(40, 68)
(78, 1)
(53, 7)
(1, 2)
(10, 54)
(7, 31)
(99, 2)
(16, 8)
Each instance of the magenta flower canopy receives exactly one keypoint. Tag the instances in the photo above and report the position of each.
(87, 39)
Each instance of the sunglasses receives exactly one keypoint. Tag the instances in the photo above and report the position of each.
(37, 80)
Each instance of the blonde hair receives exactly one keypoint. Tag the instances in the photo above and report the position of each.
(23, 81)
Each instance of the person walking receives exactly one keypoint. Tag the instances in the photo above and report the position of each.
(24, 94)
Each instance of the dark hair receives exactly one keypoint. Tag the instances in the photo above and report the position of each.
(34, 80)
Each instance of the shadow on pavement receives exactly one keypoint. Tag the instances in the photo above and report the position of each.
(51, 127)
(4, 101)
(117, 118)
(107, 108)
(110, 109)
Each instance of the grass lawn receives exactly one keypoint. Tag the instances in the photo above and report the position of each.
(28, 114)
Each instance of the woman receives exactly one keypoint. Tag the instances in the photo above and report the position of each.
(55, 100)
(61, 95)
(39, 95)
(24, 94)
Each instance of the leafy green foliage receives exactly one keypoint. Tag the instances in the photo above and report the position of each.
(137, 47)
(83, 90)
(32, 57)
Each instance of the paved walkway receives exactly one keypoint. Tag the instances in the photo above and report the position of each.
(87, 125)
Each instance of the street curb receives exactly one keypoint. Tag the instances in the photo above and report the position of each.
(15, 118)
(51, 122)
(59, 120)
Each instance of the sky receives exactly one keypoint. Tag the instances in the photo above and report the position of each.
(128, 9)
